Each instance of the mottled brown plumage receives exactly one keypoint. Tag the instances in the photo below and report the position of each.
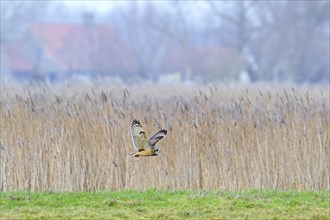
(143, 146)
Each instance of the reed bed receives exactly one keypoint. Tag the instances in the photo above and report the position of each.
(219, 137)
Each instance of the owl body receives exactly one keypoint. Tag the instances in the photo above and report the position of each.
(145, 153)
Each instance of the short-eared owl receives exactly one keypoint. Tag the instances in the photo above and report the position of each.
(143, 146)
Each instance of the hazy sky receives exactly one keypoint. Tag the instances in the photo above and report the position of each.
(195, 9)
(98, 6)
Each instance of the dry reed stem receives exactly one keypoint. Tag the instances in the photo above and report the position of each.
(219, 138)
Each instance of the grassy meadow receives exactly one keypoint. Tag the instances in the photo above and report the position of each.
(65, 152)
(154, 204)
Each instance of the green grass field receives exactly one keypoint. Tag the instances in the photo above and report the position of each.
(154, 204)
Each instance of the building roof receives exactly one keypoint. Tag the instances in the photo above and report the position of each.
(78, 47)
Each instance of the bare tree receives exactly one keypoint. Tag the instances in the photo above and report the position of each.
(146, 44)
(236, 21)
(287, 39)
(16, 15)
(174, 23)
(292, 41)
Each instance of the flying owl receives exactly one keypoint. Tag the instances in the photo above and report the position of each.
(143, 146)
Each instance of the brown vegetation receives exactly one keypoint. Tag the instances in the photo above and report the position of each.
(218, 138)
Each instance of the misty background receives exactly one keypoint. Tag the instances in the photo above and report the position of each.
(167, 41)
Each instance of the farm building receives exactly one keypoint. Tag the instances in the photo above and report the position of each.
(60, 51)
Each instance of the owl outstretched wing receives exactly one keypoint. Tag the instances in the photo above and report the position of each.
(138, 135)
(157, 137)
